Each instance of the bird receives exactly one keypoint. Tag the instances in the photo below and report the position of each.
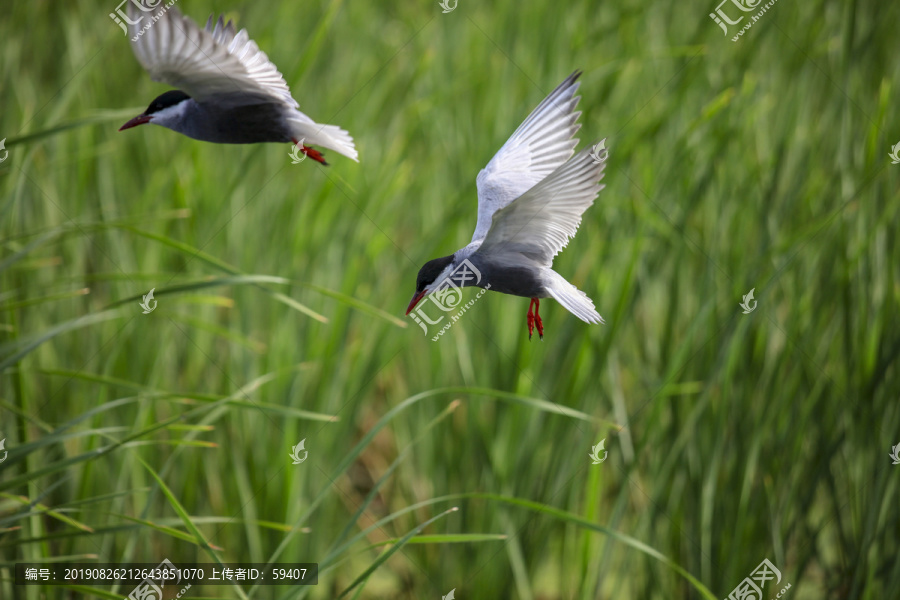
(229, 91)
(531, 196)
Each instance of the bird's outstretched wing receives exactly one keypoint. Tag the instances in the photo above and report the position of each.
(205, 63)
(538, 224)
(542, 143)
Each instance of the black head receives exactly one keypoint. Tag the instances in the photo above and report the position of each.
(429, 272)
(161, 102)
(170, 98)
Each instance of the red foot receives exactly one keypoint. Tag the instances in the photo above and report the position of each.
(311, 152)
(537, 318)
(530, 319)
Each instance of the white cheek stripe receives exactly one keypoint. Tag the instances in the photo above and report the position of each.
(440, 278)
(170, 114)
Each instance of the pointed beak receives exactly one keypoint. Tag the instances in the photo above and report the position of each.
(415, 300)
(138, 120)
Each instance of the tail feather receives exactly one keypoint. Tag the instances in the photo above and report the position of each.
(573, 299)
(331, 137)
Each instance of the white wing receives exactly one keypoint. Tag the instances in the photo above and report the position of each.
(541, 144)
(205, 63)
(538, 224)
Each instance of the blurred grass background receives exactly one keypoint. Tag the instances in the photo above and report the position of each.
(732, 438)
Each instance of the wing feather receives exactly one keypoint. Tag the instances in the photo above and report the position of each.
(542, 143)
(537, 226)
(213, 62)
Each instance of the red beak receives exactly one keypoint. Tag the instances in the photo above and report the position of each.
(415, 300)
(138, 120)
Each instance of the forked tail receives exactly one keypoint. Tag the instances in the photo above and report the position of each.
(575, 301)
(331, 137)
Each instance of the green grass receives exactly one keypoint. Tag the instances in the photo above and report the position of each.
(732, 438)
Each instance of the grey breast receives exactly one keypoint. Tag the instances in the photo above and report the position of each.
(515, 280)
(246, 124)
